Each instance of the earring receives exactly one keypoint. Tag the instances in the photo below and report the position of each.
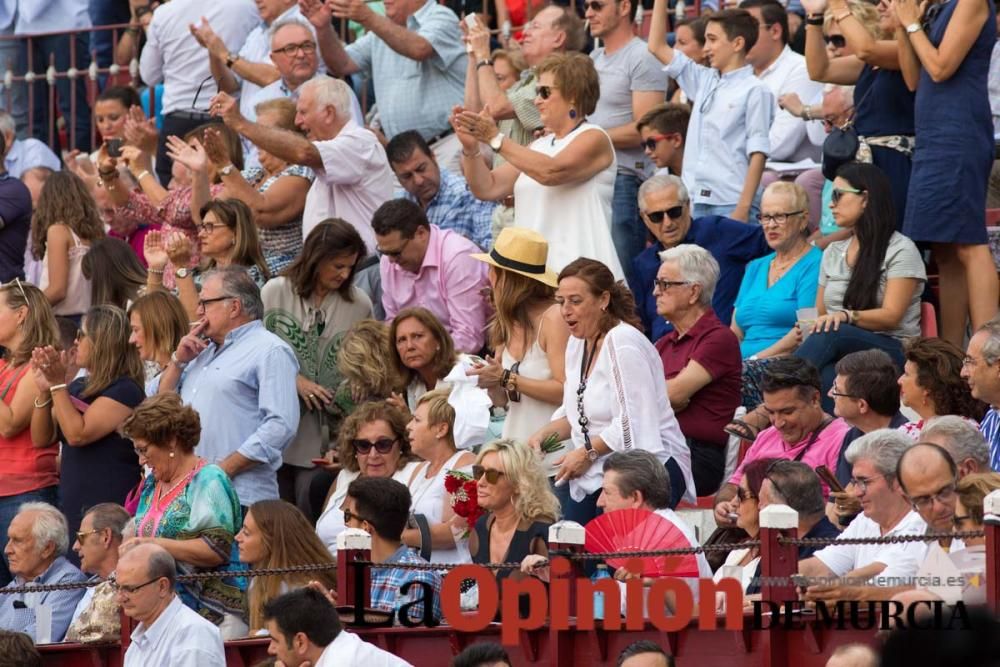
(572, 113)
(172, 454)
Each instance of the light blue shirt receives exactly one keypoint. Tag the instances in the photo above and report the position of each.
(731, 119)
(35, 16)
(245, 394)
(179, 637)
(765, 314)
(28, 153)
(62, 603)
(411, 94)
(990, 428)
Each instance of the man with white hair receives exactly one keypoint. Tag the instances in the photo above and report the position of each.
(665, 207)
(960, 438)
(37, 542)
(981, 369)
(701, 359)
(20, 155)
(887, 512)
(352, 172)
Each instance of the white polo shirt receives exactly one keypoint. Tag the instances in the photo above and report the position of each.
(901, 560)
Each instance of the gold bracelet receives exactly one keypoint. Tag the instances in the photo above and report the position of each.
(40, 406)
(476, 154)
(57, 387)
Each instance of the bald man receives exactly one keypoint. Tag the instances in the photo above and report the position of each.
(927, 474)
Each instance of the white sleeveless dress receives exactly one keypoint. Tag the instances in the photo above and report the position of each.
(526, 416)
(575, 218)
(428, 498)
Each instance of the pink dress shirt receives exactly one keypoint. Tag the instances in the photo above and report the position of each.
(448, 284)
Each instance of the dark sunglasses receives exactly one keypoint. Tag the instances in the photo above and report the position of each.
(544, 91)
(836, 41)
(656, 217)
(382, 445)
(492, 476)
(840, 192)
(594, 5)
(351, 516)
(650, 144)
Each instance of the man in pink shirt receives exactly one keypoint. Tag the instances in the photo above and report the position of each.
(424, 265)
(800, 430)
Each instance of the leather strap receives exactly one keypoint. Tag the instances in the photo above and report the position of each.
(425, 536)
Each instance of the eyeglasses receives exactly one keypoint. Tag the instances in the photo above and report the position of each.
(307, 48)
(204, 302)
(957, 520)
(743, 495)
(209, 227)
(840, 192)
(664, 285)
(382, 445)
(80, 534)
(969, 361)
(492, 476)
(833, 393)
(945, 495)
(836, 41)
(394, 253)
(674, 212)
(544, 91)
(129, 590)
(776, 219)
(351, 516)
(513, 395)
(863, 482)
(594, 5)
(650, 144)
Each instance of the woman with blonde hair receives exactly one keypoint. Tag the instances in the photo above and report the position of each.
(276, 534)
(520, 506)
(87, 412)
(158, 322)
(27, 473)
(372, 442)
(65, 224)
(431, 436)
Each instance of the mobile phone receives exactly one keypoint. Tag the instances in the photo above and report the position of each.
(114, 147)
(830, 479)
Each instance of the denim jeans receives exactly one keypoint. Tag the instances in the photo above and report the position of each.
(825, 349)
(627, 230)
(701, 210)
(41, 50)
(8, 510)
(17, 104)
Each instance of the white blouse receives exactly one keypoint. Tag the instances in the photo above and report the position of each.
(626, 403)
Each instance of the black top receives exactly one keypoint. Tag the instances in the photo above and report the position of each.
(520, 543)
(15, 222)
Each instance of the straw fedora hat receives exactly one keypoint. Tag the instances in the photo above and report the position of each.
(522, 251)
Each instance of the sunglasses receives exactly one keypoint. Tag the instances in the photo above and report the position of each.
(650, 144)
(80, 335)
(20, 287)
(492, 476)
(836, 41)
(394, 253)
(674, 212)
(382, 445)
(840, 192)
(544, 91)
(744, 495)
(351, 516)
(594, 5)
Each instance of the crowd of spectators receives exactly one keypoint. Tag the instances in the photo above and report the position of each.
(360, 251)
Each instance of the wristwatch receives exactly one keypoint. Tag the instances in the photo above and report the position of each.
(181, 272)
(912, 28)
(485, 62)
(591, 452)
(230, 59)
(496, 141)
(228, 169)
(177, 362)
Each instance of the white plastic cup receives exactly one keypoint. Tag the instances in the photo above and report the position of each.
(805, 319)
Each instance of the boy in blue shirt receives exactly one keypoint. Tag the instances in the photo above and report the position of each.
(727, 140)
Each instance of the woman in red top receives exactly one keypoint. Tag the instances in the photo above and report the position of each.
(27, 473)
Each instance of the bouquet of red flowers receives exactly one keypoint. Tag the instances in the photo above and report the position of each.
(464, 501)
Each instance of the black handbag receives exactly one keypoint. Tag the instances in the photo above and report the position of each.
(842, 143)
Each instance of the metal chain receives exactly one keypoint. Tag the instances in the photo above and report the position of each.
(891, 539)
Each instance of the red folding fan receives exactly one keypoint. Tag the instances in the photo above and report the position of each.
(641, 530)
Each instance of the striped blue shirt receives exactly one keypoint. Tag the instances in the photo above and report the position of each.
(990, 428)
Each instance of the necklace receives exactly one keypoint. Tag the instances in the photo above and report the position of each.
(585, 364)
(160, 496)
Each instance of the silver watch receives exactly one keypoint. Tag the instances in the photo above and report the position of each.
(182, 272)
(496, 141)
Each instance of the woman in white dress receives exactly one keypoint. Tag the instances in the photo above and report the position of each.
(614, 398)
(372, 442)
(431, 435)
(563, 182)
(527, 372)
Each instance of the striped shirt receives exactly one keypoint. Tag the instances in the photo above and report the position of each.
(990, 428)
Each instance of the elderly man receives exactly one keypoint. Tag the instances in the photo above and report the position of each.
(796, 485)
(632, 83)
(962, 440)
(928, 476)
(168, 633)
(241, 379)
(20, 155)
(423, 265)
(443, 194)
(887, 512)
(701, 359)
(305, 631)
(37, 541)
(96, 615)
(171, 57)
(413, 55)
(352, 173)
(981, 369)
(666, 210)
(799, 430)
(636, 479)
